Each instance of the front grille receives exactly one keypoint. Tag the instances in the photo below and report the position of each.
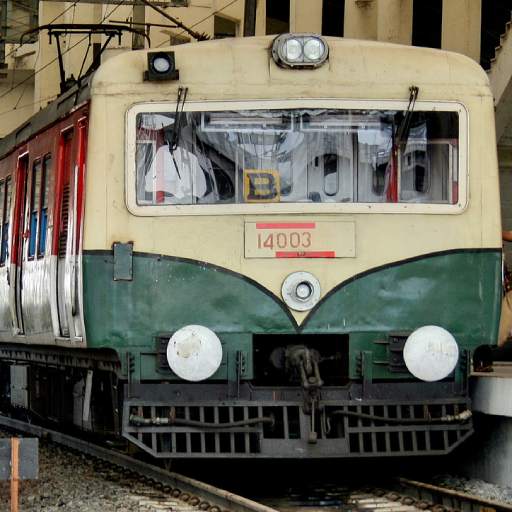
(172, 441)
(338, 435)
(376, 437)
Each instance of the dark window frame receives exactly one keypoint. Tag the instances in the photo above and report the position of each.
(33, 209)
(4, 227)
(43, 205)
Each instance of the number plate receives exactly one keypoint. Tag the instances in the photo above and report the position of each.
(300, 239)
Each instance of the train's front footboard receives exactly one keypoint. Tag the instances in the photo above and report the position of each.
(243, 421)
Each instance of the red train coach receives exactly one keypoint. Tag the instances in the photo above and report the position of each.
(42, 171)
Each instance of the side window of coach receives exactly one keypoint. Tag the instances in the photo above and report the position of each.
(2, 217)
(5, 208)
(34, 207)
(43, 217)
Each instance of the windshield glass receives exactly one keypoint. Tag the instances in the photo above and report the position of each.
(296, 156)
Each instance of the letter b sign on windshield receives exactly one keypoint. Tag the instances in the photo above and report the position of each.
(261, 186)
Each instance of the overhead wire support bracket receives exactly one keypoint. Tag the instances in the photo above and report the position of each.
(56, 30)
(198, 36)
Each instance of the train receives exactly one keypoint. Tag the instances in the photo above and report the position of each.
(265, 247)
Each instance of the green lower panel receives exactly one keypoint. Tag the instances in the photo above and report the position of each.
(459, 290)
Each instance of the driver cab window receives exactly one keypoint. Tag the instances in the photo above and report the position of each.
(295, 156)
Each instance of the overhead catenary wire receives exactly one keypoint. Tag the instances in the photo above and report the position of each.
(72, 21)
(201, 21)
(37, 71)
(14, 50)
(25, 86)
(19, 99)
(25, 6)
(26, 105)
(16, 35)
(19, 20)
(176, 21)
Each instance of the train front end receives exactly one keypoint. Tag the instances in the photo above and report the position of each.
(293, 245)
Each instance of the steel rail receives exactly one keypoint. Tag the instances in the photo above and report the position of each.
(203, 496)
(449, 498)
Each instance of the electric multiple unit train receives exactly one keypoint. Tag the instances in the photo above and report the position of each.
(258, 247)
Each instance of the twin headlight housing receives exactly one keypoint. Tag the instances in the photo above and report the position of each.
(299, 50)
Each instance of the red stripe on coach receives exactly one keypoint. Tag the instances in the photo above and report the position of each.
(285, 225)
(305, 254)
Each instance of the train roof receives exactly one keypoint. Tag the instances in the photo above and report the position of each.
(222, 66)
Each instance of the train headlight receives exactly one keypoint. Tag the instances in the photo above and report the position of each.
(314, 49)
(299, 50)
(293, 50)
(301, 291)
(431, 353)
(194, 353)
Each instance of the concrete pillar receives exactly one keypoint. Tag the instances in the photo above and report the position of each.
(488, 456)
(394, 21)
(261, 17)
(461, 27)
(361, 19)
(46, 81)
(306, 16)
(139, 16)
(249, 26)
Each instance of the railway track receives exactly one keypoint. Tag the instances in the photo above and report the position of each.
(440, 499)
(193, 494)
(397, 495)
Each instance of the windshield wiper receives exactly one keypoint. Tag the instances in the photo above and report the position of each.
(402, 134)
(173, 140)
(399, 140)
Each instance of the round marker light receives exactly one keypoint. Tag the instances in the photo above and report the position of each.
(303, 290)
(431, 353)
(293, 49)
(194, 353)
(313, 49)
(161, 64)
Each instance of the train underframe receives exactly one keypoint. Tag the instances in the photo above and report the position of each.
(236, 419)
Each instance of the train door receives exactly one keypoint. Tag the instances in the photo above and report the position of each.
(5, 224)
(68, 322)
(17, 244)
(35, 297)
